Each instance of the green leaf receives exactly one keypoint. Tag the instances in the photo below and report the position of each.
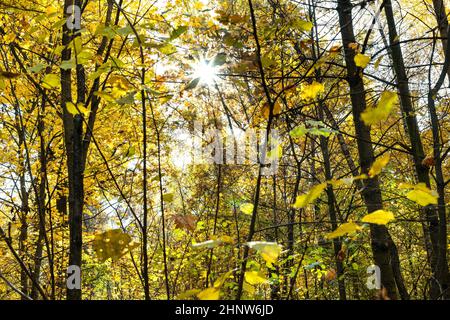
(37, 68)
(219, 59)
(67, 64)
(178, 32)
(125, 31)
(192, 84)
(127, 99)
(58, 24)
(303, 25)
(168, 197)
(167, 49)
(298, 132)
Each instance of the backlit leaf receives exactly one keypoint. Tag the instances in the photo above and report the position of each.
(303, 200)
(379, 113)
(378, 165)
(311, 91)
(255, 277)
(361, 60)
(246, 208)
(298, 132)
(343, 229)
(379, 217)
(269, 251)
(79, 109)
(51, 81)
(112, 244)
(422, 198)
(303, 25)
(188, 294)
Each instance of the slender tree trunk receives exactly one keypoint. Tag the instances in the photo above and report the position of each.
(332, 213)
(442, 280)
(380, 238)
(23, 233)
(73, 133)
(415, 139)
(442, 23)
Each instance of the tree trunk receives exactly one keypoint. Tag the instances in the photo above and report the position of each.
(332, 213)
(442, 23)
(73, 134)
(380, 238)
(415, 139)
(442, 272)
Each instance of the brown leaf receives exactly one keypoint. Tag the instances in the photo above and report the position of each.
(341, 255)
(331, 275)
(188, 221)
(428, 161)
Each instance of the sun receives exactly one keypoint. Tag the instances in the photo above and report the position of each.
(205, 71)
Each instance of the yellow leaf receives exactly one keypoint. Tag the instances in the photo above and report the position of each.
(246, 208)
(76, 110)
(379, 217)
(266, 110)
(421, 197)
(269, 250)
(50, 10)
(361, 60)
(307, 198)
(405, 185)
(209, 294)
(343, 229)
(227, 239)
(51, 81)
(379, 113)
(311, 91)
(420, 194)
(112, 244)
(220, 281)
(378, 165)
(303, 25)
(248, 288)
(275, 153)
(254, 277)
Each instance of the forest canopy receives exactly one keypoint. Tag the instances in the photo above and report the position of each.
(233, 149)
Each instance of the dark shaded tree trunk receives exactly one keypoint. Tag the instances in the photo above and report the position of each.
(442, 23)
(331, 200)
(381, 241)
(73, 134)
(416, 143)
(23, 232)
(442, 272)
